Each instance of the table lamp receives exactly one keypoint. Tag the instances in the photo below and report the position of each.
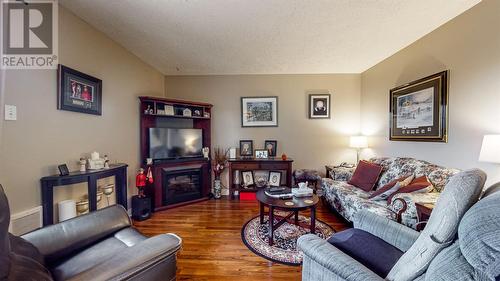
(358, 142)
(490, 150)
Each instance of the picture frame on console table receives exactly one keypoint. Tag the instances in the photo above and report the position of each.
(419, 110)
(78, 91)
(259, 111)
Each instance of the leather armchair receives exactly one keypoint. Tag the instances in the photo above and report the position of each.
(101, 245)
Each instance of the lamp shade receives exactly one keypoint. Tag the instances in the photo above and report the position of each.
(490, 150)
(358, 142)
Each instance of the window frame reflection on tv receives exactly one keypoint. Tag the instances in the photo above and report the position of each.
(175, 143)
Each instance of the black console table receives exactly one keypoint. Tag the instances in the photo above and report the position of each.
(119, 171)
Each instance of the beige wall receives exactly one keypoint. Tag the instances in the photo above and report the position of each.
(43, 136)
(312, 143)
(469, 46)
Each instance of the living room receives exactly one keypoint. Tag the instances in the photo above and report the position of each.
(336, 76)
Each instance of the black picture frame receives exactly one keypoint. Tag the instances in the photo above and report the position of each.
(268, 113)
(419, 110)
(271, 151)
(271, 181)
(244, 180)
(246, 152)
(78, 92)
(317, 113)
(63, 170)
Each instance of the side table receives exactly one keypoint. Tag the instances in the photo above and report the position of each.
(424, 211)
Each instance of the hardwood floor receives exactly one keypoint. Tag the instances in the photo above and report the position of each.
(212, 247)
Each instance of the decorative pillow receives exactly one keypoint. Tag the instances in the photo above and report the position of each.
(420, 184)
(366, 175)
(390, 188)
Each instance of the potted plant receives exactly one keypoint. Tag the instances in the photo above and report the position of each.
(220, 162)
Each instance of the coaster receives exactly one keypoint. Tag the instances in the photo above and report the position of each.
(308, 201)
(288, 203)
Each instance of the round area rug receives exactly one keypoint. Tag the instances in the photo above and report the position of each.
(284, 249)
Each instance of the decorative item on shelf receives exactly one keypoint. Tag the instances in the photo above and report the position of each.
(219, 165)
(259, 112)
(99, 196)
(358, 142)
(140, 182)
(206, 114)
(261, 153)
(169, 110)
(490, 149)
(148, 110)
(67, 210)
(247, 178)
(284, 157)
(274, 178)
(271, 146)
(106, 162)
(186, 112)
(83, 164)
(232, 153)
(246, 148)
(78, 91)
(95, 162)
(206, 152)
(63, 170)
(107, 191)
(197, 113)
(160, 112)
(261, 180)
(82, 206)
(319, 106)
(419, 110)
(149, 175)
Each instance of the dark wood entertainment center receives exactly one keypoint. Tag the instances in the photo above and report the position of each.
(171, 113)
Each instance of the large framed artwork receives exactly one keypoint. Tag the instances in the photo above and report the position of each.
(78, 91)
(419, 110)
(259, 111)
(319, 106)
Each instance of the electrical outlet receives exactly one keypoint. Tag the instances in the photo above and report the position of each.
(10, 112)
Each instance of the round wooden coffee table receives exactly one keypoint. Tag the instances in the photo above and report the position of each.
(286, 205)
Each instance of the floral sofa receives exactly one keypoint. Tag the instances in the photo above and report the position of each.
(347, 200)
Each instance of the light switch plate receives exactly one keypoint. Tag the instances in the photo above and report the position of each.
(10, 112)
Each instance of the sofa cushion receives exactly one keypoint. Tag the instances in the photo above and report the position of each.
(371, 251)
(420, 184)
(348, 200)
(96, 254)
(366, 175)
(390, 188)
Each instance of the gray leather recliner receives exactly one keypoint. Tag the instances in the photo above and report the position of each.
(101, 245)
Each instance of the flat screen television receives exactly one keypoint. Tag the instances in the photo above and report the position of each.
(174, 143)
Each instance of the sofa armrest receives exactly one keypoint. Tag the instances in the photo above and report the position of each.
(136, 260)
(327, 257)
(58, 240)
(396, 234)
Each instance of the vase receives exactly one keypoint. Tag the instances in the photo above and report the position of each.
(217, 189)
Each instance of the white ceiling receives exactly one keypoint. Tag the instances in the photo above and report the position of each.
(188, 37)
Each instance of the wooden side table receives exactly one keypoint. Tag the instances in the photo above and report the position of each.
(424, 211)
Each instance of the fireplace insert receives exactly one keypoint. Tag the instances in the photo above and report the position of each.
(181, 184)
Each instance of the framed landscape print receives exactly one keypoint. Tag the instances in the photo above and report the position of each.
(319, 106)
(78, 91)
(259, 111)
(419, 110)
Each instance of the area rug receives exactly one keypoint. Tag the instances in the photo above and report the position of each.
(284, 249)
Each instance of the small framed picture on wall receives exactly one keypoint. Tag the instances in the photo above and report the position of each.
(78, 91)
(319, 106)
